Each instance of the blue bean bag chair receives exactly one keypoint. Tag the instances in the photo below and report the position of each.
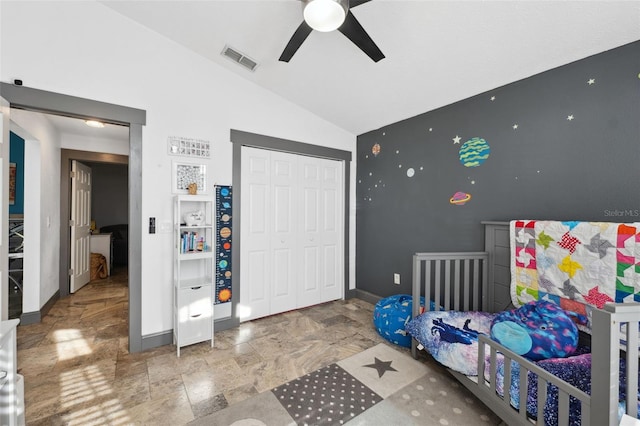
(391, 314)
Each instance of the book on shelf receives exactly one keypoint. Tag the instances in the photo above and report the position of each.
(191, 241)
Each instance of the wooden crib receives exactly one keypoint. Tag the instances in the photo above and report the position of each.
(459, 281)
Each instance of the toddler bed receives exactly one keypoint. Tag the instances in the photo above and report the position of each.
(588, 269)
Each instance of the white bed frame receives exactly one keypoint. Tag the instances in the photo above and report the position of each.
(458, 281)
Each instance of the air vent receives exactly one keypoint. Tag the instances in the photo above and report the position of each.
(239, 58)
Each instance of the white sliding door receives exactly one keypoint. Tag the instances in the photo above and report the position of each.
(291, 232)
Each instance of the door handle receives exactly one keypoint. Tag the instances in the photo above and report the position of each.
(195, 316)
(196, 288)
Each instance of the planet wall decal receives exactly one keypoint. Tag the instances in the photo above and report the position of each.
(225, 232)
(460, 198)
(474, 152)
(375, 149)
(224, 295)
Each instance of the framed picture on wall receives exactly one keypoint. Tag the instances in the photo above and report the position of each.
(12, 183)
(185, 174)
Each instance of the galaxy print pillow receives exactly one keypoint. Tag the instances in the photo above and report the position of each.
(537, 330)
(451, 337)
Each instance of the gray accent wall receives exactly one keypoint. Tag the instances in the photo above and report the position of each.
(562, 145)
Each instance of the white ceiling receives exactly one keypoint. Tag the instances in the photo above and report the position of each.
(437, 52)
(76, 126)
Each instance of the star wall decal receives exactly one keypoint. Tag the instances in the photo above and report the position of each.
(591, 81)
(598, 245)
(515, 126)
(493, 98)
(381, 366)
(457, 139)
(570, 117)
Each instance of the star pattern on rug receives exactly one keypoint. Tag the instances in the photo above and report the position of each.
(381, 366)
(598, 245)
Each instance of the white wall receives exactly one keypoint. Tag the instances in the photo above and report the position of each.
(92, 52)
(41, 207)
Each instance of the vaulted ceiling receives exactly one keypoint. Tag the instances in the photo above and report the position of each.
(437, 52)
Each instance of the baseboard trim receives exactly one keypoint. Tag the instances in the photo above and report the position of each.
(225, 324)
(35, 317)
(30, 318)
(156, 340)
(366, 296)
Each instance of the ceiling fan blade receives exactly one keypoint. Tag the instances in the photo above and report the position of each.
(295, 42)
(354, 32)
(354, 3)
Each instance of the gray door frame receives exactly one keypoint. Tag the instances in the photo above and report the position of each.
(22, 97)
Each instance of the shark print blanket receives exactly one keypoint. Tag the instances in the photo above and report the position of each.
(577, 265)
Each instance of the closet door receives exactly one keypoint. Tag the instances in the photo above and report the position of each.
(332, 230)
(309, 292)
(291, 232)
(284, 236)
(255, 263)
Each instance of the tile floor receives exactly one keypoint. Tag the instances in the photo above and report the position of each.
(78, 370)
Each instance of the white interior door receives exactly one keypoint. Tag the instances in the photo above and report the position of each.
(80, 224)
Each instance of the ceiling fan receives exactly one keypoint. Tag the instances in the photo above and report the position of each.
(328, 15)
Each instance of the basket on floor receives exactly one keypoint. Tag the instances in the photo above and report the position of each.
(98, 266)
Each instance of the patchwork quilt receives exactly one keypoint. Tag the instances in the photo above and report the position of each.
(577, 265)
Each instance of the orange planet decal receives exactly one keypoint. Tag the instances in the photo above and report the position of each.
(224, 295)
(460, 198)
(375, 150)
(225, 232)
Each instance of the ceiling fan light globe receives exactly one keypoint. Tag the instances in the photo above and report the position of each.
(325, 15)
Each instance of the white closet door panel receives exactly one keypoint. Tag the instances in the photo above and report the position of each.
(332, 273)
(283, 297)
(256, 285)
(284, 237)
(332, 283)
(309, 291)
(283, 214)
(330, 214)
(257, 199)
(255, 267)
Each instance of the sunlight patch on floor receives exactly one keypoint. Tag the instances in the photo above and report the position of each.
(71, 344)
(81, 386)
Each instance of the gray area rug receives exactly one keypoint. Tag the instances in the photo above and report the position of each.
(379, 386)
